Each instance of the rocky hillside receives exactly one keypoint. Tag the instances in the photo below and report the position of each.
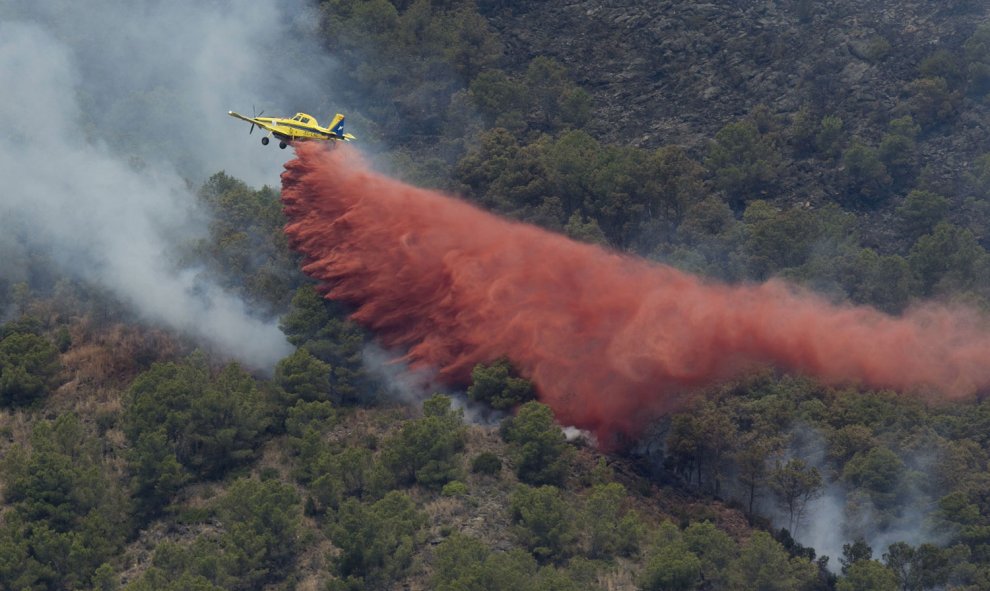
(671, 72)
(675, 72)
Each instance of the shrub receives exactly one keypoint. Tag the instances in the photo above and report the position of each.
(29, 366)
(454, 488)
(497, 386)
(486, 463)
(538, 445)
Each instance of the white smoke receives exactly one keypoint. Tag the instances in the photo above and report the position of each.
(413, 386)
(837, 517)
(399, 381)
(111, 112)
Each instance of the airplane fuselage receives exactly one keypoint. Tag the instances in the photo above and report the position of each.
(299, 127)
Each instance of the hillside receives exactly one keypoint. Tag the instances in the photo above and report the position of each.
(181, 409)
(676, 73)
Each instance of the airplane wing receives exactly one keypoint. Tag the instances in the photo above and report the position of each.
(250, 120)
(243, 118)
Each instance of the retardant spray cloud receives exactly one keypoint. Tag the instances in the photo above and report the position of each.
(609, 340)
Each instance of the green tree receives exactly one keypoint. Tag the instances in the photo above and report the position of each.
(854, 552)
(886, 282)
(302, 376)
(155, 579)
(584, 231)
(29, 367)
(308, 316)
(304, 416)
(924, 567)
(718, 445)
(801, 133)
(612, 528)
(672, 568)
(333, 473)
(932, 102)
(377, 541)
(156, 473)
(764, 565)
(829, 140)
(685, 447)
(670, 565)
(486, 463)
(555, 100)
(538, 446)
(261, 520)
(743, 161)
(775, 240)
(544, 522)
(462, 563)
(795, 484)
(246, 248)
(472, 46)
(948, 258)
(847, 441)
(425, 450)
(877, 472)
(502, 99)
(920, 212)
(497, 385)
(488, 161)
(867, 179)
(675, 183)
(321, 328)
(898, 151)
(868, 575)
(713, 547)
(751, 458)
(211, 423)
(65, 514)
(943, 64)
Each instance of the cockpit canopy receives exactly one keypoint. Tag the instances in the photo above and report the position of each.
(305, 119)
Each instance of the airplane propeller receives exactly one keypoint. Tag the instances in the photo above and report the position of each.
(256, 115)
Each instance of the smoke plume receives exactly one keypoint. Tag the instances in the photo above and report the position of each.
(609, 340)
(112, 111)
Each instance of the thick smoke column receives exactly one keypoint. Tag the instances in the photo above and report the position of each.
(111, 113)
(609, 340)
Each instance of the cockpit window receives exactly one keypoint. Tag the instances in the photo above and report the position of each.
(305, 119)
(296, 118)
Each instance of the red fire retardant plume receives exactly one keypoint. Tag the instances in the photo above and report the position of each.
(609, 340)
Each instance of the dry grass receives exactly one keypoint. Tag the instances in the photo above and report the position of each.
(115, 354)
(15, 428)
(622, 578)
(445, 510)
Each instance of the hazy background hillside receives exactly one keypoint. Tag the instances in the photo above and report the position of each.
(179, 409)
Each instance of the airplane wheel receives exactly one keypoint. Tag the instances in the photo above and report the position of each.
(282, 145)
(264, 141)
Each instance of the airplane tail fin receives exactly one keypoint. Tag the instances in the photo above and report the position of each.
(337, 128)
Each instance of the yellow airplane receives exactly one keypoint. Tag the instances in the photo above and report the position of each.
(299, 127)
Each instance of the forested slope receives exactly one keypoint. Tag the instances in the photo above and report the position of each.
(839, 145)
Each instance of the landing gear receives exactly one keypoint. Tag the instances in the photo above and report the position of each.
(282, 145)
(264, 141)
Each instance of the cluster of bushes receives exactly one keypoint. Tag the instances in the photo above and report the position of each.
(66, 512)
(29, 363)
(775, 444)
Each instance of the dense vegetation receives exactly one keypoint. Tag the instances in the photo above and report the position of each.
(131, 460)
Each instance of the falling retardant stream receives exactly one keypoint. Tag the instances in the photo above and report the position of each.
(609, 340)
